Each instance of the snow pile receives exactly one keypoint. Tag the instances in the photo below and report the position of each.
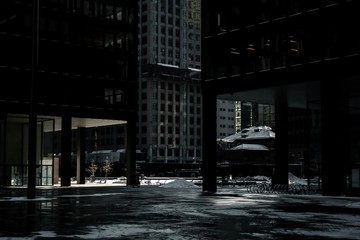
(179, 183)
(295, 180)
(261, 178)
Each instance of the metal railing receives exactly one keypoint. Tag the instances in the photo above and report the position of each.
(269, 188)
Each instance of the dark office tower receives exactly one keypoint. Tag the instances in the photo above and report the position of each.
(169, 126)
(300, 58)
(266, 116)
(249, 114)
(63, 65)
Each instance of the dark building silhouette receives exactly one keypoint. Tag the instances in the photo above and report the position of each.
(249, 114)
(299, 57)
(64, 64)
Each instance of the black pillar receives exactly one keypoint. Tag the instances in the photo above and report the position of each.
(335, 136)
(209, 140)
(281, 144)
(32, 145)
(131, 150)
(65, 162)
(2, 147)
(80, 155)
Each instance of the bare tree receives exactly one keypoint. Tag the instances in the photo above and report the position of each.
(92, 169)
(107, 168)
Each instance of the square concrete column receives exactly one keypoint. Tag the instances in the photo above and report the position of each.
(280, 175)
(65, 162)
(335, 136)
(131, 150)
(209, 163)
(80, 155)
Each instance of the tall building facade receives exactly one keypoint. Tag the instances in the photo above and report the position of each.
(266, 115)
(170, 114)
(170, 32)
(67, 65)
(249, 114)
(295, 56)
(225, 115)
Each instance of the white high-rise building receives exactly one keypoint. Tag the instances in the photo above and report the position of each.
(225, 118)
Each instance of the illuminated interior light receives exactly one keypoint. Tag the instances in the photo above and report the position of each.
(250, 47)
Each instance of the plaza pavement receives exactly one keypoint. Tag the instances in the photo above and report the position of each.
(176, 213)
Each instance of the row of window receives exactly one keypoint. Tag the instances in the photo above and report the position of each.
(65, 53)
(162, 85)
(160, 152)
(224, 118)
(224, 126)
(169, 109)
(245, 13)
(93, 8)
(170, 46)
(224, 109)
(176, 141)
(168, 57)
(170, 119)
(193, 13)
(275, 45)
(222, 134)
(170, 98)
(163, 19)
(173, 142)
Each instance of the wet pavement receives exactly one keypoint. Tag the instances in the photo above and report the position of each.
(153, 212)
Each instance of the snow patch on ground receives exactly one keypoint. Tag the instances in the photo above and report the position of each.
(179, 183)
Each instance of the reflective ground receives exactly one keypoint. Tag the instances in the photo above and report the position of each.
(153, 212)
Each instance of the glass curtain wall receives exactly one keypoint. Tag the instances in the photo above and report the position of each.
(14, 152)
(263, 43)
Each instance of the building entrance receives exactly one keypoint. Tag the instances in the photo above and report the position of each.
(14, 151)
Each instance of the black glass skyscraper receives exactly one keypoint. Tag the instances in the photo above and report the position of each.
(64, 59)
(294, 55)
